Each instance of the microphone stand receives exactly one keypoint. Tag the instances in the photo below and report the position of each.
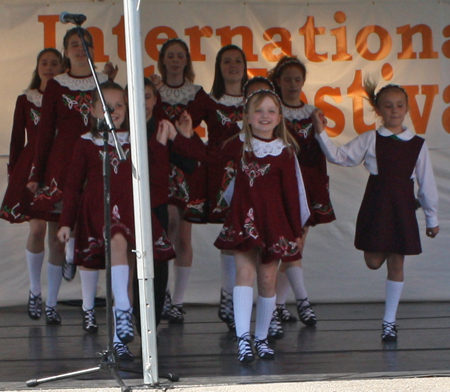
(109, 360)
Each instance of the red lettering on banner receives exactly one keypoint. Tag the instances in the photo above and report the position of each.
(227, 34)
(420, 121)
(310, 32)
(195, 35)
(341, 39)
(446, 113)
(446, 44)
(407, 33)
(332, 112)
(119, 31)
(153, 39)
(285, 44)
(49, 22)
(279, 43)
(363, 48)
(99, 44)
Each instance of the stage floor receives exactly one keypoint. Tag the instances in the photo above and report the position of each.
(344, 345)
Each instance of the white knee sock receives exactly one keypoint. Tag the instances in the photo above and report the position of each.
(35, 262)
(181, 282)
(70, 250)
(393, 294)
(264, 310)
(242, 304)
(228, 272)
(54, 278)
(282, 287)
(295, 276)
(89, 281)
(119, 282)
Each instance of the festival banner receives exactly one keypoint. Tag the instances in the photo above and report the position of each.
(402, 42)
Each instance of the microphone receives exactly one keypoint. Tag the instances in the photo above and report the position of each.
(77, 19)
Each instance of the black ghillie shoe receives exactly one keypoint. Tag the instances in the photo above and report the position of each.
(124, 325)
(226, 311)
(389, 333)
(245, 352)
(263, 350)
(122, 352)
(89, 321)
(34, 306)
(52, 316)
(275, 327)
(306, 313)
(175, 315)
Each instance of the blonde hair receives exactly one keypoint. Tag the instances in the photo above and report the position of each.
(279, 132)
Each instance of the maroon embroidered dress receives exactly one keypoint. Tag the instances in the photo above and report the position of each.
(64, 118)
(186, 184)
(387, 218)
(268, 206)
(312, 163)
(83, 202)
(222, 118)
(17, 203)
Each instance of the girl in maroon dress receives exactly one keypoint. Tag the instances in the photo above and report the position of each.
(221, 110)
(186, 181)
(17, 203)
(64, 118)
(83, 210)
(386, 227)
(289, 77)
(267, 212)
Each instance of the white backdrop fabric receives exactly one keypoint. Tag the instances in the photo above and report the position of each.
(340, 42)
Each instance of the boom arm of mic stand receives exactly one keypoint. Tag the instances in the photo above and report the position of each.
(106, 112)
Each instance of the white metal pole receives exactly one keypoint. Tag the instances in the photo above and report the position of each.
(141, 188)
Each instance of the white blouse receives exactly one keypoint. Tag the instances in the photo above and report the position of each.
(362, 148)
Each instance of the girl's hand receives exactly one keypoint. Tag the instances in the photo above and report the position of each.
(165, 130)
(300, 244)
(184, 125)
(319, 120)
(110, 70)
(33, 186)
(63, 234)
(157, 81)
(432, 231)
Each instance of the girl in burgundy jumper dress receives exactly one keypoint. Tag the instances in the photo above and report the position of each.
(386, 227)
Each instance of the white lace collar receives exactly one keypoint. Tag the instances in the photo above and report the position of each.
(34, 96)
(179, 95)
(261, 148)
(297, 113)
(122, 136)
(230, 100)
(80, 84)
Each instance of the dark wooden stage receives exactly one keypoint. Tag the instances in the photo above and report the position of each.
(345, 344)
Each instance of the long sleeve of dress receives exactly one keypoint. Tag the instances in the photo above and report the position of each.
(351, 154)
(74, 185)
(291, 195)
(46, 131)
(18, 132)
(427, 193)
(159, 170)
